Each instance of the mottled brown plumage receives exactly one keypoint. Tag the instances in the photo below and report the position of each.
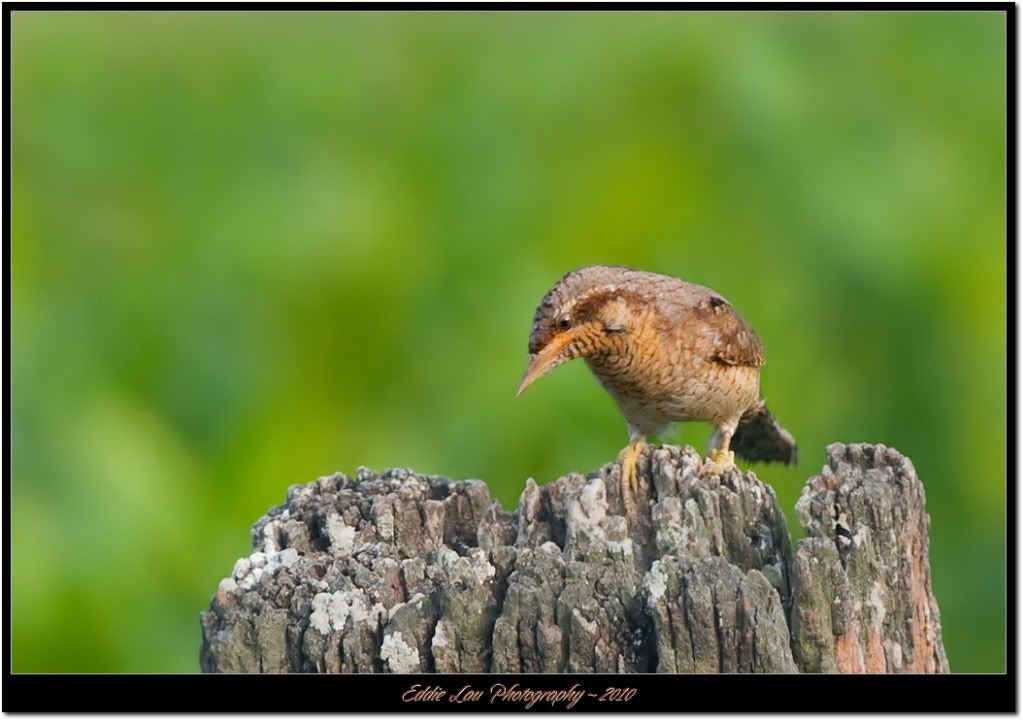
(666, 350)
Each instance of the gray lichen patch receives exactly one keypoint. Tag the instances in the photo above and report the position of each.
(342, 536)
(398, 656)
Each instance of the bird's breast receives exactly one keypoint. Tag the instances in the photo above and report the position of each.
(653, 377)
(636, 367)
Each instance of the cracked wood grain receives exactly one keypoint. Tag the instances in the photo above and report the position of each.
(402, 572)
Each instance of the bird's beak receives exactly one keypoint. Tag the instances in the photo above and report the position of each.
(544, 361)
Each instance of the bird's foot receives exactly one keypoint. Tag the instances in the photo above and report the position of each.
(628, 459)
(718, 462)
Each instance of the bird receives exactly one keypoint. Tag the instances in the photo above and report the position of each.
(666, 350)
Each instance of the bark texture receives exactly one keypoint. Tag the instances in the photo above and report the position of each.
(401, 572)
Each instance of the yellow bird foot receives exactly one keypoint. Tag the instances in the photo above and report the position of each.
(718, 462)
(628, 458)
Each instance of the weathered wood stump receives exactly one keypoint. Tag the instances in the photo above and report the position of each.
(401, 572)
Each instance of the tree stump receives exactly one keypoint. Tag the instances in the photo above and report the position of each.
(402, 572)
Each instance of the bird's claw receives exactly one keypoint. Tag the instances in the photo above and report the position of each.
(628, 458)
(718, 462)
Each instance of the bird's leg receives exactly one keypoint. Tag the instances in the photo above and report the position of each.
(721, 459)
(628, 458)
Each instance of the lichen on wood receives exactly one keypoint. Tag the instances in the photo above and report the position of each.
(402, 572)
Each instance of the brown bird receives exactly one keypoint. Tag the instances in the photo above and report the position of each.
(666, 350)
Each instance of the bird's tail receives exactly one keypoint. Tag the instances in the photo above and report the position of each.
(760, 437)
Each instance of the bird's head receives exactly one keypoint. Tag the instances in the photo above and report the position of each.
(578, 317)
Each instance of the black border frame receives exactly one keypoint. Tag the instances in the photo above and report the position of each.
(995, 692)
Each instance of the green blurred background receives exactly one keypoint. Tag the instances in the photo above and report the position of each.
(252, 249)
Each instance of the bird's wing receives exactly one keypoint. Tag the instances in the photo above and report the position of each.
(714, 328)
(734, 341)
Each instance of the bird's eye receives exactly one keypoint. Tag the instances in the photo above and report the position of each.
(563, 322)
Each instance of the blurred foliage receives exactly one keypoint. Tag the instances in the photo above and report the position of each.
(252, 249)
